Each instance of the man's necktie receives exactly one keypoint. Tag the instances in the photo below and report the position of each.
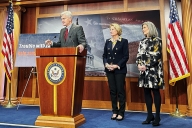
(66, 34)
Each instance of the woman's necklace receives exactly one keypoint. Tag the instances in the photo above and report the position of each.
(113, 42)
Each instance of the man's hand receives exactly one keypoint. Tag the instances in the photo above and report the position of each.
(48, 42)
(80, 47)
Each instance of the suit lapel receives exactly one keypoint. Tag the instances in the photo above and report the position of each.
(71, 31)
(116, 45)
(62, 35)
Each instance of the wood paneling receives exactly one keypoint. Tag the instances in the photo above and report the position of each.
(38, 3)
(28, 21)
(137, 95)
(51, 9)
(96, 6)
(24, 74)
(96, 90)
(97, 104)
(142, 3)
(181, 92)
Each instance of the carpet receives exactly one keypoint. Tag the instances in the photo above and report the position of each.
(25, 117)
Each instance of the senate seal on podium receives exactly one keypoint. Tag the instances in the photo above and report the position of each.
(55, 73)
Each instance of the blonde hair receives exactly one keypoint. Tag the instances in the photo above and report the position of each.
(152, 29)
(117, 27)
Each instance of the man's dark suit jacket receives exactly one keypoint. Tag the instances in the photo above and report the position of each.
(118, 55)
(75, 37)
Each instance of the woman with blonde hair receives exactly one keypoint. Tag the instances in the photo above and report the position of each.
(115, 57)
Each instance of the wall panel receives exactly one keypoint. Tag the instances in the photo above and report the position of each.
(51, 9)
(180, 88)
(23, 77)
(137, 95)
(28, 26)
(142, 3)
(28, 21)
(96, 90)
(96, 6)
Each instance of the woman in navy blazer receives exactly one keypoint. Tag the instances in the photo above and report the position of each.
(115, 57)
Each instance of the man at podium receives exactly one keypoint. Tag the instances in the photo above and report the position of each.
(61, 77)
(70, 36)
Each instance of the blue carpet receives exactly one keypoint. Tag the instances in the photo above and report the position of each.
(26, 115)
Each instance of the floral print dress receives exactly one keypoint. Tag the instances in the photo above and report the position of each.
(150, 54)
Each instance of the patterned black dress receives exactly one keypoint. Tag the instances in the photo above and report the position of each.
(150, 55)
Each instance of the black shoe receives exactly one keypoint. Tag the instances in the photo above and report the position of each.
(148, 120)
(156, 122)
(119, 119)
(114, 118)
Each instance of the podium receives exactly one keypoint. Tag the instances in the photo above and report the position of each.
(60, 75)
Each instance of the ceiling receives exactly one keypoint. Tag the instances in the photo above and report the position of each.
(33, 3)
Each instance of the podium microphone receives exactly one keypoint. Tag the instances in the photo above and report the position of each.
(50, 40)
(54, 37)
(77, 22)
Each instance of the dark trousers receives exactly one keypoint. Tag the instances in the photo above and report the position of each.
(117, 92)
(149, 101)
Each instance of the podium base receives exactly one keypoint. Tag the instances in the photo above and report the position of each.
(62, 122)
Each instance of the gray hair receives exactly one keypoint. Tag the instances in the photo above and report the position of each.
(67, 13)
(152, 29)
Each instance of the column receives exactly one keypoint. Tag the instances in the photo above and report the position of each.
(187, 31)
(14, 79)
(3, 11)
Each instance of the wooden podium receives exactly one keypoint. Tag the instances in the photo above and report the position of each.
(60, 75)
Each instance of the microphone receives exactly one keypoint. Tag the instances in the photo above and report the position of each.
(53, 38)
(77, 23)
(50, 40)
